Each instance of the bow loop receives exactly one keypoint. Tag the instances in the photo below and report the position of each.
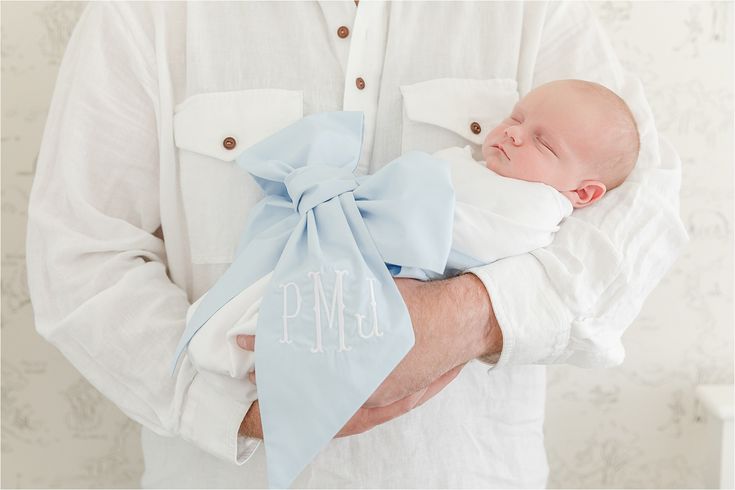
(312, 185)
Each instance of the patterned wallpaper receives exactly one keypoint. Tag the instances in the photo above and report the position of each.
(637, 425)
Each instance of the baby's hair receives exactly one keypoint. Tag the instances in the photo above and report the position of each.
(623, 142)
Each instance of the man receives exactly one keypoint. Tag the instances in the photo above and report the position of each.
(137, 207)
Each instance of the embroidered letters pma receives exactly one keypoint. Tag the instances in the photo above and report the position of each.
(320, 299)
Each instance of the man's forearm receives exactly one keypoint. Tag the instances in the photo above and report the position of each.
(453, 323)
(458, 311)
(476, 318)
(251, 425)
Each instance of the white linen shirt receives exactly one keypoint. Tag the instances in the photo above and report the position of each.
(137, 206)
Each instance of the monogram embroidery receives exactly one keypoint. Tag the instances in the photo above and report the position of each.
(333, 312)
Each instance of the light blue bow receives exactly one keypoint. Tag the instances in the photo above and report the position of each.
(332, 324)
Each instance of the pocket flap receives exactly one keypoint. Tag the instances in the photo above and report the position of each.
(455, 103)
(203, 122)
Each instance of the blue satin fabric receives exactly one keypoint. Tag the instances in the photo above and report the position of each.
(332, 324)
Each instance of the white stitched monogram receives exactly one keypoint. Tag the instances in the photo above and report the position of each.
(285, 305)
(320, 300)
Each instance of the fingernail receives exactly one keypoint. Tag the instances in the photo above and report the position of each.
(241, 341)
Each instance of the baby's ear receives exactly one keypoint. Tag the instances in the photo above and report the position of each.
(589, 191)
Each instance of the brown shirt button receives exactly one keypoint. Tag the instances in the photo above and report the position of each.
(360, 83)
(343, 32)
(475, 127)
(229, 143)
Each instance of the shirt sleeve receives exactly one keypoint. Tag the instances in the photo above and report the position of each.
(96, 265)
(571, 301)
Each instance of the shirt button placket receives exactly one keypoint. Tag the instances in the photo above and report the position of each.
(366, 57)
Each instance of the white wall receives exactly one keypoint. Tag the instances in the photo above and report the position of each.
(632, 426)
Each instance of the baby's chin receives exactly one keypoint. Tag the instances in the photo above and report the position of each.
(500, 168)
(491, 165)
(492, 162)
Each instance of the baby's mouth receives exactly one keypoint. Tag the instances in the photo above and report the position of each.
(502, 151)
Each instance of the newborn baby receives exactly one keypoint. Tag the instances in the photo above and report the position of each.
(576, 136)
(565, 144)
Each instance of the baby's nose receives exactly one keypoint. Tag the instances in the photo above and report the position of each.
(513, 133)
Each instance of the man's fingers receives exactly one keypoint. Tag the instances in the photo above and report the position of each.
(246, 342)
(251, 376)
(367, 418)
(381, 415)
(439, 384)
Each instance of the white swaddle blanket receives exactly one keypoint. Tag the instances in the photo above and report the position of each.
(494, 217)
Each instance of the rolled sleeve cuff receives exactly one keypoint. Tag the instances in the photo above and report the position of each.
(531, 315)
(212, 421)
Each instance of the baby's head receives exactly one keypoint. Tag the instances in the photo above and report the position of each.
(576, 136)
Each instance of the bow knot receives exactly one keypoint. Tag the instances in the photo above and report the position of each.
(314, 184)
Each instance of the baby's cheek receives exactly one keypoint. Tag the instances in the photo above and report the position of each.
(540, 172)
(495, 134)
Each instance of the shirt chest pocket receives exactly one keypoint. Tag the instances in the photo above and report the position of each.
(446, 112)
(210, 131)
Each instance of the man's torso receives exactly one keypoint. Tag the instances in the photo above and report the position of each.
(244, 70)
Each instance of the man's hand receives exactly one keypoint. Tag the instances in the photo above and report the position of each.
(453, 323)
(365, 418)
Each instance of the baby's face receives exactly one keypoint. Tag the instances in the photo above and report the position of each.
(547, 138)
